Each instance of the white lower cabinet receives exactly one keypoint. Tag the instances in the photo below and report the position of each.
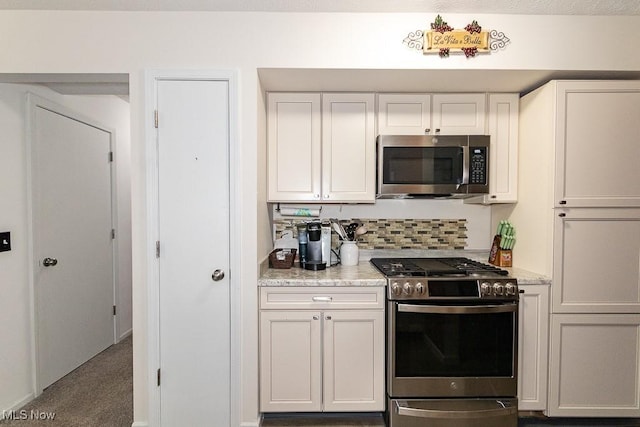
(533, 347)
(595, 365)
(321, 349)
(290, 361)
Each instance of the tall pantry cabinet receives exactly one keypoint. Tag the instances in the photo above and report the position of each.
(578, 217)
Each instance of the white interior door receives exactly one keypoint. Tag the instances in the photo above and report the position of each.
(72, 223)
(193, 164)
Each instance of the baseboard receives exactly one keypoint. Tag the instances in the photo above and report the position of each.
(256, 423)
(125, 335)
(17, 405)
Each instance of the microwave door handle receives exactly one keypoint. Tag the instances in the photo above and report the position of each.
(403, 408)
(457, 309)
(465, 166)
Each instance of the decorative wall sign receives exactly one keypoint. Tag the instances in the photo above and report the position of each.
(443, 39)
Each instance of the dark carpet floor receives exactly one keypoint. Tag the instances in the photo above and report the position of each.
(97, 394)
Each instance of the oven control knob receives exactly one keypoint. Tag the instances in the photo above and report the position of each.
(510, 289)
(420, 289)
(407, 288)
(498, 288)
(485, 288)
(396, 289)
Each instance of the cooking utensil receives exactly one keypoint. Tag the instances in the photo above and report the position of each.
(339, 229)
(361, 230)
(350, 230)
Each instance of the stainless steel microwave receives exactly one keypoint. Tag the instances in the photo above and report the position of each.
(432, 165)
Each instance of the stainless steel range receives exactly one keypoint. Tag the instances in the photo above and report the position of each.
(452, 334)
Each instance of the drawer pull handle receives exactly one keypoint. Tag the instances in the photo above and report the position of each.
(322, 299)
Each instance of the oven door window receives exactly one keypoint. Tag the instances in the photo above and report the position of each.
(423, 165)
(454, 345)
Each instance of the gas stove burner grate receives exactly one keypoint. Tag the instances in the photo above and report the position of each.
(434, 267)
(399, 268)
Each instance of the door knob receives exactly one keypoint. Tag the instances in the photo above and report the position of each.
(49, 262)
(217, 275)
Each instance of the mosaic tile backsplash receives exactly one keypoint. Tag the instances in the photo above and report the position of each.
(446, 234)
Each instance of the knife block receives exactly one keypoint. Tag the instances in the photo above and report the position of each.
(500, 257)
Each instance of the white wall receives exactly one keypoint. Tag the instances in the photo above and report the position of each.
(16, 370)
(85, 42)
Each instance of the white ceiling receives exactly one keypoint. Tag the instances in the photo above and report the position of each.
(524, 7)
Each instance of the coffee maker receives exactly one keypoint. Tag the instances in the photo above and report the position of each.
(314, 259)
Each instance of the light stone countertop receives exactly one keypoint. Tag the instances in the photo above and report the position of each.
(365, 274)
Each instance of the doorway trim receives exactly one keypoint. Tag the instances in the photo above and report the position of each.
(151, 77)
(33, 102)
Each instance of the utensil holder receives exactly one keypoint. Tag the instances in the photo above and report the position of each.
(498, 256)
(349, 253)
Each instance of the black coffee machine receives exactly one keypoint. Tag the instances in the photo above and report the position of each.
(310, 247)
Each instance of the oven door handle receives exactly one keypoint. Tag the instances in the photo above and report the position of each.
(403, 408)
(458, 309)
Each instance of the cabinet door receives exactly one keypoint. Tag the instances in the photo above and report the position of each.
(290, 361)
(354, 360)
(459, 114)
(348, 147)
(294, 152)
(596, 261)
(503, 157)
(533, 347)
(594, 366)
(597, 147)
(404, 114)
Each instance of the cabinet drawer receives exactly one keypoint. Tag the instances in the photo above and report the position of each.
(320, 298)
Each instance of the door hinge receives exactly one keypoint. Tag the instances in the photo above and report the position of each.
(158, 377)
(113, 233)
(114, 310)
(110, 156)
(157, 248)
(155, 118)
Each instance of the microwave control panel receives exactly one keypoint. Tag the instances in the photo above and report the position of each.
(478, 166)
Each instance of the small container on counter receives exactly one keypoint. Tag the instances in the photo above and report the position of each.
(349, 253)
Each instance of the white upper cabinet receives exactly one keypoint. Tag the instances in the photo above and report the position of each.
(348, 147)
(597, 144)
(425, 114)
(503, 129)
(294, 146)
(459, 114)
(503, 154)
(321, 147)
(404, 114)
